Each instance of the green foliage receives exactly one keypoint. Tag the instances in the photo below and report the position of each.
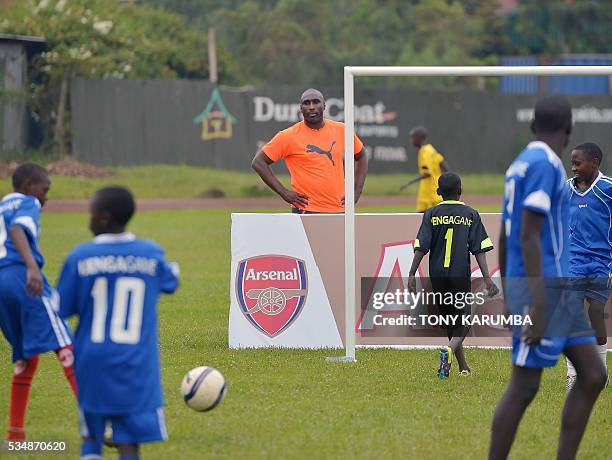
(291, 41)
(308, 43)
(103, 39)
(444, 34)
(554, 27)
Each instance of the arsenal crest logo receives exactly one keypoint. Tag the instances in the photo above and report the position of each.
(271, 291)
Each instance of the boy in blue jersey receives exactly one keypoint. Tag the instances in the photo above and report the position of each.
(113, 285)
(533, 261)
(590, 239)
(28, 304)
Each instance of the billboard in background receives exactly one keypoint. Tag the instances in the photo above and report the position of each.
(128, 122)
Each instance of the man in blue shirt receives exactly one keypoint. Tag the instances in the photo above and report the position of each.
(28, 304)
(590, 240)
(113, 285)
(533, 261)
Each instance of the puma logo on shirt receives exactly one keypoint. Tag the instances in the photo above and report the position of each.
(314, 149)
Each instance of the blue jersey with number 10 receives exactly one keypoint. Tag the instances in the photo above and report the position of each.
(113, 285)
(22, 210)
(536, 181)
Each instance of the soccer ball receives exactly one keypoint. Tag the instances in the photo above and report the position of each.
(203, 388)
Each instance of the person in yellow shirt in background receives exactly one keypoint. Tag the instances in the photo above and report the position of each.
(431, 166)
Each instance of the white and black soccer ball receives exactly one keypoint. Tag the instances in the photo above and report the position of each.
(203, 388)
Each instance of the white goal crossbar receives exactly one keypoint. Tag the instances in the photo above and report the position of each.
(349, 183)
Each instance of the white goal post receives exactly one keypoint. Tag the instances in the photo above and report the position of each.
(349, 119)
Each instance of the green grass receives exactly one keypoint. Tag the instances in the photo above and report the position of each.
(290, 403)
(411, 207)
(473, 184)
(181, 181)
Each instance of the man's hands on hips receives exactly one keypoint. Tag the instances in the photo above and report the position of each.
(295, 199)
(357, 196)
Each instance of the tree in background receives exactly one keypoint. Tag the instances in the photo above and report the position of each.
(100, 39)
(273, 48)
(553, 27)
(445, 34)
(309, 43)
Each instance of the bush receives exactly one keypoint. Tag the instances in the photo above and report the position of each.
(99, 39)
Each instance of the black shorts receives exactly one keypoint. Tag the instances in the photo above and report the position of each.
(452, 288)
(302, 211)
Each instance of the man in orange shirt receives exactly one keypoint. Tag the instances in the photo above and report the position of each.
(313, 150)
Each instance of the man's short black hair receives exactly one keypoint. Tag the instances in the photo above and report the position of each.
(419, 131)
(311, 93)
(117, 201)
(552, 113)
(592, 150)
(449, 184)
(28, 172)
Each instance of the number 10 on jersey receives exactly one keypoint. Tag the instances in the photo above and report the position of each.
(126, 320)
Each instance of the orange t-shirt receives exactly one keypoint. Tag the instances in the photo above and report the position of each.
(314, 158)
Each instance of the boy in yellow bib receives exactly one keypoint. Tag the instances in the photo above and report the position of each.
(431, 166)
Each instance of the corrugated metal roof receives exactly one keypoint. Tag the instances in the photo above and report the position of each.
(578, 84)
(31, 45)
(585, 85)
(22, 38)
(519, 85)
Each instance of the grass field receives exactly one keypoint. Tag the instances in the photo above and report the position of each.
(192, 182)
(290, 403)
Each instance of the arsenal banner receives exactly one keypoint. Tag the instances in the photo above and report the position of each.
(287, 285)
(287, 279)
(278, 297)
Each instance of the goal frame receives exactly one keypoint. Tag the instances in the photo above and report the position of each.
(350, 72)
